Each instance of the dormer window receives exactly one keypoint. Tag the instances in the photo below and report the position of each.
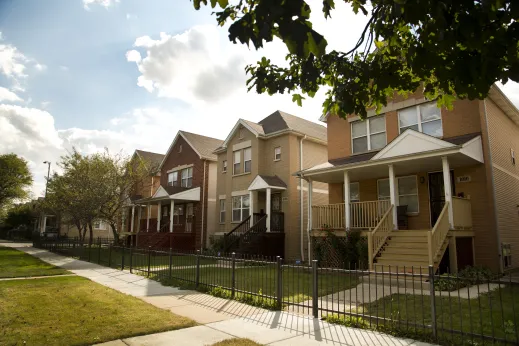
(425, 118)
(369, 134)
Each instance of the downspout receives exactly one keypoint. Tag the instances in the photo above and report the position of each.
(301, 202)
(493, 191)
(203, 212)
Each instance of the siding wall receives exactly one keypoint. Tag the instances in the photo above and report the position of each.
(504, 135)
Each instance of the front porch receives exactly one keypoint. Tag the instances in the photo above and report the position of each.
(409, 205)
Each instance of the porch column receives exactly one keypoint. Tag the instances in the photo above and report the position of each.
(347, 209)
(448, 188)
(159, 214)
(268, 207)
(148, 212)
(453, 256)
(171, 209)
(310, 216)
(139, 216)
(132, 222)
(251, 207)
(44, 224)
(392, 194)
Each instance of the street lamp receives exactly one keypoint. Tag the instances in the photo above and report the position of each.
(48, 174)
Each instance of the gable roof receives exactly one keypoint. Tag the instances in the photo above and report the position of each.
(153, 158)
(267, 181)
(202, 145)
(278, 122)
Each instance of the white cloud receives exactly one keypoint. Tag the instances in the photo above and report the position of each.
(104, 3)
(12, 61)
(45, 104)
(8, 96)
(130, 16)
(40, 67)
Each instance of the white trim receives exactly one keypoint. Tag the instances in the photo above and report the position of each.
(368, 134)
(260, 184)
(474, 149)
(276, 159)
(397, 196)
(418, 117)
(323, 191)
(161, 192)
(188, 195)
(239, 193)
(504, 170)
(222, 197)
(241, 145)
(425, 144)
(179, 168)
(236, 126)
(180, 133)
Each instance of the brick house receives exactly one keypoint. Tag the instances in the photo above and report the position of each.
(177, 215)
(427, 186)
(260, 202)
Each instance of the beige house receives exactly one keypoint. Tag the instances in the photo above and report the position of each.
(259, 201)
(428, 186)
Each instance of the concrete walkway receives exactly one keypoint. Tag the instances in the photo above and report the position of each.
(220, 319)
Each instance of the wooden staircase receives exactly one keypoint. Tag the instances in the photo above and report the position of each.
(243, 238)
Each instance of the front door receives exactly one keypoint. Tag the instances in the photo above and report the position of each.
(437, 194)
(277, 221)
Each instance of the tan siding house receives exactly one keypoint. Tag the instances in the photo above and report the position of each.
(427, 186)
(257, 188)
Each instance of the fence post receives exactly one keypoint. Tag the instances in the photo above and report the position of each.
(433, 301)
(279, 287)
(99, 250)
(315, 287)
(197, 280)
(170, 264)
(109, 255)
(122, 260)
(233, 277)
(131, 259)
(149, 260)
(89, 249)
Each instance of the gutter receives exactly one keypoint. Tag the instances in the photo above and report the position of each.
(203, 211)
(500, 259)
(301, 203)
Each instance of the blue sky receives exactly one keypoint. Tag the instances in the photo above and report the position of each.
(128, 74)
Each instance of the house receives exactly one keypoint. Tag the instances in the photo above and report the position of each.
(178, 213)
(427, 186)
(260, 202)
(132, 214)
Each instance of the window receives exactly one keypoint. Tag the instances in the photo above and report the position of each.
(224, 166)
(354, 192)
(237, 160)
(240, 208)
(97, 224)
(177, 211)
(165, 210)
(180, 148)
(222, 211)
(247, 160)
(187, 177)
(277, 154)
(407, 190)
(424, 118)
(369, 134)
(173, 179)
(512, 155)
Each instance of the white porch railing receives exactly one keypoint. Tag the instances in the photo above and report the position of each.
(377, 238)
(436, 237)
(364, 215)
(462, 213)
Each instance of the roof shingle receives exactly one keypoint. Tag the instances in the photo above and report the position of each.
(203, 144)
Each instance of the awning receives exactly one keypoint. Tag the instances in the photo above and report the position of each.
(262, 182)
(191, 195)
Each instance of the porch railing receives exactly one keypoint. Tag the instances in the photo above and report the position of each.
(364, 215)
(462, 213)
(436, 237)
(378, 237)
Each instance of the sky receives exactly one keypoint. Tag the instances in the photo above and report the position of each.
(128, 74)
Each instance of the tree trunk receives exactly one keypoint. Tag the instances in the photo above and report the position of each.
(84, 234)
(115, 233)
(91, 233)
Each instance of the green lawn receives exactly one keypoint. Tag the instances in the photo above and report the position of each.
(499, 315)
(75, 311)
(14, 263)
(236, 342)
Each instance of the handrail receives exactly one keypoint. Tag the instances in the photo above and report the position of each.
(247, 219)
(437, 235)
(378, 237)
(256, 228)
(367, 214)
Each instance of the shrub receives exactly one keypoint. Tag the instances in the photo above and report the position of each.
(467, 277)
(254, 300)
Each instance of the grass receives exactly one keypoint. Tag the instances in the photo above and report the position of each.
(494, 314)
(14, 263)
(236, 342)
(75, 311)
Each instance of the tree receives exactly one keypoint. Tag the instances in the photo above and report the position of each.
(15, 179)
(450, 47)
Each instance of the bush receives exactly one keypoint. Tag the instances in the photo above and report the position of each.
(259, 301)
(467, 277)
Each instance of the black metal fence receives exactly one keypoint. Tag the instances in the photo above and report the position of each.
(415, 302)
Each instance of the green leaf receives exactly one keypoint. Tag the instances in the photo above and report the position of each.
(298, 99)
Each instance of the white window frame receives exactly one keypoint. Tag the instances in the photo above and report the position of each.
(398, 194)
(173, 182)
(188, 179)
(180, 148)
(224, 166)
(99, 224)
(419, 120)
(177, 211)
(277, 153)
(241, 208)
(249, 149)
(222, 211)
(368, 134)
(234, 163)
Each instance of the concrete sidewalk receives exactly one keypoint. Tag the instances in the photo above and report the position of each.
(220, 318)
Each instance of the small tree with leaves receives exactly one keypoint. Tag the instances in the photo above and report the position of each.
(15, 179)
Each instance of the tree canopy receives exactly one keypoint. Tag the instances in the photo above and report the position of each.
(451, 47)
(15, 179)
